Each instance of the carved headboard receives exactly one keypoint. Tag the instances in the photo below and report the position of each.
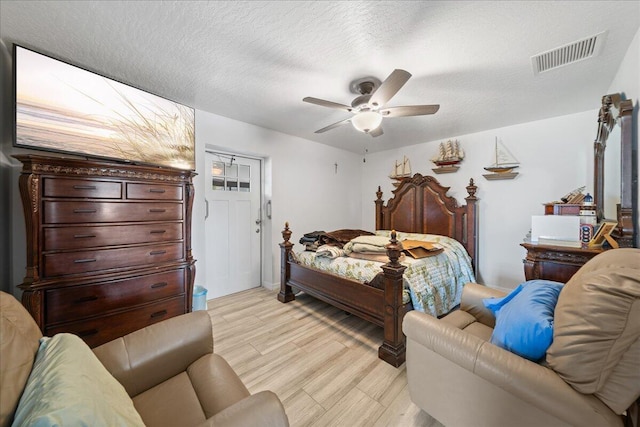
(626, 232)
(421, 205)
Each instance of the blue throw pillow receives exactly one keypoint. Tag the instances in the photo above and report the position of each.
(524, 318)
(495, 304)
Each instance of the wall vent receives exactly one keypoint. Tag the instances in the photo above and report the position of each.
(568, 54)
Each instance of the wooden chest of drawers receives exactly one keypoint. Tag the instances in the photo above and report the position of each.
(108, 245)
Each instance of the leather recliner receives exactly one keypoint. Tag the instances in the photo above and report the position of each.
(589, 377)
(168, 369)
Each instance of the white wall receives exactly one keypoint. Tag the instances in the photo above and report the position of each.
(555, 157)
(300, 180)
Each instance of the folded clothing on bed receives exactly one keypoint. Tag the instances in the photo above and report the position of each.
(334, 238)
(367, 244)
(311, 240)
(329, 251)
(341, 237)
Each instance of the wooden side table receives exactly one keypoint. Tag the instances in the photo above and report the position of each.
(557, 263)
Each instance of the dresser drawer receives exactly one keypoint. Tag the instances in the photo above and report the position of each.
(153, 191)
(78, 212)
(60, 264)
(103, 329)
(80, 237)
(78, 302)
(81, 188)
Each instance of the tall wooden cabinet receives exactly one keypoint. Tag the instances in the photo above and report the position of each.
(108, 245)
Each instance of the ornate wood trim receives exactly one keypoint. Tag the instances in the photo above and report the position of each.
(606, 122)
(393, 349)
(81, 167)
(286, 293)
(421, 205)
(626, 232)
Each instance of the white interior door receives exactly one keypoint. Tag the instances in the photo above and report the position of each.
(233, 223)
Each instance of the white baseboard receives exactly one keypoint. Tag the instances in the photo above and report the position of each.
(270, 286)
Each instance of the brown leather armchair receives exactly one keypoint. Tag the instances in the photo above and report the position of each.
(168, 369)
(591, 373)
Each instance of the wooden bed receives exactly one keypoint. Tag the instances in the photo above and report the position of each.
(419, 205)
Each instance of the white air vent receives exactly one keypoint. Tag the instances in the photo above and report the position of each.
(568, 54)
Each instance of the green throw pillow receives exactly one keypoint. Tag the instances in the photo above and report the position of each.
(68, 386)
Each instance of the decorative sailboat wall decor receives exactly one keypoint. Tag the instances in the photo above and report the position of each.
(503, 165)
(449, 155)
(401, 170)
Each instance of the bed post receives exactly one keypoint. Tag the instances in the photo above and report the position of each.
(379, 203)
(471, 242)
(285, 294)
(393, 350)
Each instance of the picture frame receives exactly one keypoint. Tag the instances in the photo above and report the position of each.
(604, 234)
(63, 108)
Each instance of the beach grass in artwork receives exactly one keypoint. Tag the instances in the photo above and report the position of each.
(64, 108)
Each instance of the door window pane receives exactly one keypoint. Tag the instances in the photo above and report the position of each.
(244, 174)
(232, 171)
(230, 177)
(218, 184)
(217, 169)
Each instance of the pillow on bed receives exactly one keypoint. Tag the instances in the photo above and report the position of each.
(524, 318)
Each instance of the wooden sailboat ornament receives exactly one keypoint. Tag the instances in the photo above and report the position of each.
(450, 154)
(401, 170)
(504, 164)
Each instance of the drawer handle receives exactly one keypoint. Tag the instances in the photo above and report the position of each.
(156, 190)
(157, 252)
(84, 187)
(87, 333)
(157, 231)
(157, 210)
(83, 236)
(82, 261)
(159, 314)
(85, 299)
(159, 285)
(84, 211)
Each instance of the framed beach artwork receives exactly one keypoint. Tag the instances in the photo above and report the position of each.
(67, 109)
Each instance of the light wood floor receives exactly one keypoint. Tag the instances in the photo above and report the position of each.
(322, 363)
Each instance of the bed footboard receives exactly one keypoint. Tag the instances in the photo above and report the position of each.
(380, 305)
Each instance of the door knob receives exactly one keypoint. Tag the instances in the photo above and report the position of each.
(257, 230)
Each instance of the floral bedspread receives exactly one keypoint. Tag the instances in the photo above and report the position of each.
(434, 284)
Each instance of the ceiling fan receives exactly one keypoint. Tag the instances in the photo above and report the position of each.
(369, 107)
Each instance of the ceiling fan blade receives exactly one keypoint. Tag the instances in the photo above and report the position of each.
(389, 87)
(329, 104)
(410, 110)
(376, 132)
(335, 125)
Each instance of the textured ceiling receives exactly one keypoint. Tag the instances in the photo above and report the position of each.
(255, 61)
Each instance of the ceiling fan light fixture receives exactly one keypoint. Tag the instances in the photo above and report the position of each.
(366, 121)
